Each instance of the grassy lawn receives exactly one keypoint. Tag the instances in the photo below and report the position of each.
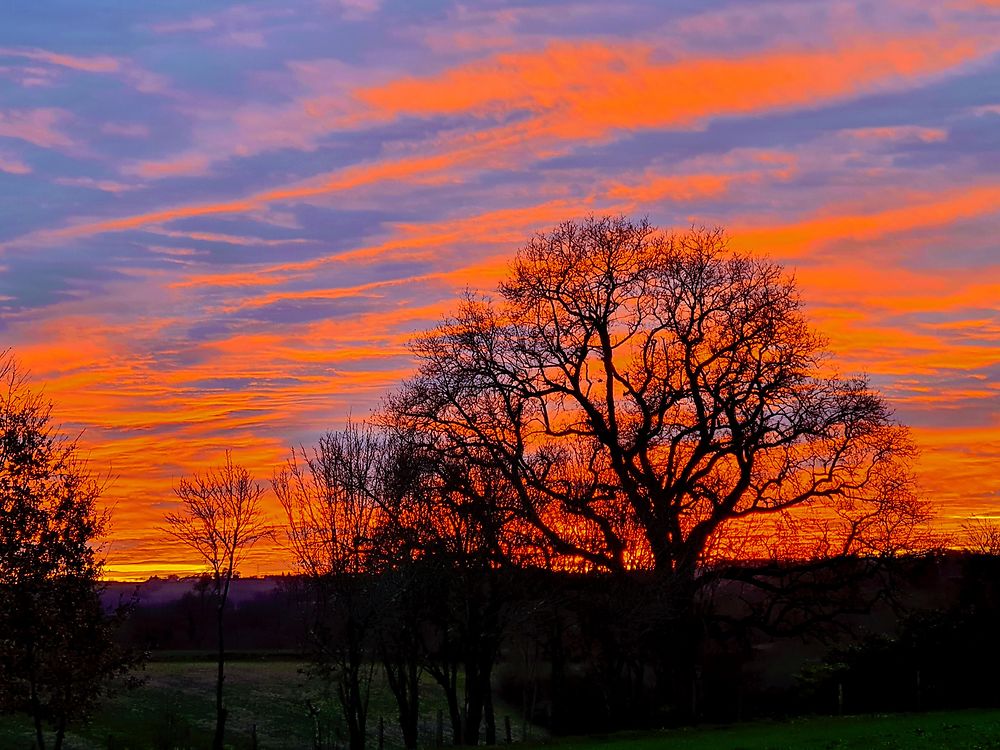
(952, 730)
(174, 708)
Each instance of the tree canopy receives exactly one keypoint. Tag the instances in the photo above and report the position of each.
(644, 394)
(56, 646)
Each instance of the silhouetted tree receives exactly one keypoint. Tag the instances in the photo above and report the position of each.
(221, 519)
(408, 580)
(639, 392)
(332, 499)
(404, 601)
(980, 535)
(57, 651)
(472, 544)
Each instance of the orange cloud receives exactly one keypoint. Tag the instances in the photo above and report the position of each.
(152, 424)
(505, 227)
(673, 187)
(159, 402)
(189, 165)
(343, 180)
(590, 89)
(156, 407)
(37, 126)
(791, 240)
(582, 91)
(13, 165)
(957, 469)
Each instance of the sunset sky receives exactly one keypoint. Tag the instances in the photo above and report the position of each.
(221, 223)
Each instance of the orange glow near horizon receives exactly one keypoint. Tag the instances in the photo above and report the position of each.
(236, 260)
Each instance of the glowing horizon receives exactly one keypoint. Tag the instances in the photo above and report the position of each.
(222, 225)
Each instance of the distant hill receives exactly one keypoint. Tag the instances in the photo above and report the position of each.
(159, 591)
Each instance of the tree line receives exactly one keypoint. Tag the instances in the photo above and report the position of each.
(634, 423)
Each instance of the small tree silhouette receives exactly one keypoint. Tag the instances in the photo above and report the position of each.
(221, 519)
(332, 498)
(981, 535)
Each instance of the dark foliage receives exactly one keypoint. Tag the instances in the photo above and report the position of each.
(936, 658)
(57, 651)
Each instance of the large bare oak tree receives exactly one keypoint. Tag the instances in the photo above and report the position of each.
(645, 393)
(656, 401)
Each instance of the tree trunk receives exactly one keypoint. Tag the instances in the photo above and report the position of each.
(404, 681)
(60, 734)
(474, 702)
(356, 733)
(220, 711)
(36, 708)
(454, 715)
(557, 678)
(490, 716)
(411, 724)
(677, 671)
(36, 714)
(445, 675)
(478, 700)
(354, 696)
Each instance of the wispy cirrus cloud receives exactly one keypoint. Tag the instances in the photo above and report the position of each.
(43, 126)
(86, 64)
(583, 90)
(574, 92)
(224, 223)
(107, 186)
(125, 129)
(13, 165)
(922, 211)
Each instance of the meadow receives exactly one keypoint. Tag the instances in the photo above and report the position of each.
(172, 708)
(943, 730)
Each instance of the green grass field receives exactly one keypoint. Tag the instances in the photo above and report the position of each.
(174, 708)
(951, 730)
